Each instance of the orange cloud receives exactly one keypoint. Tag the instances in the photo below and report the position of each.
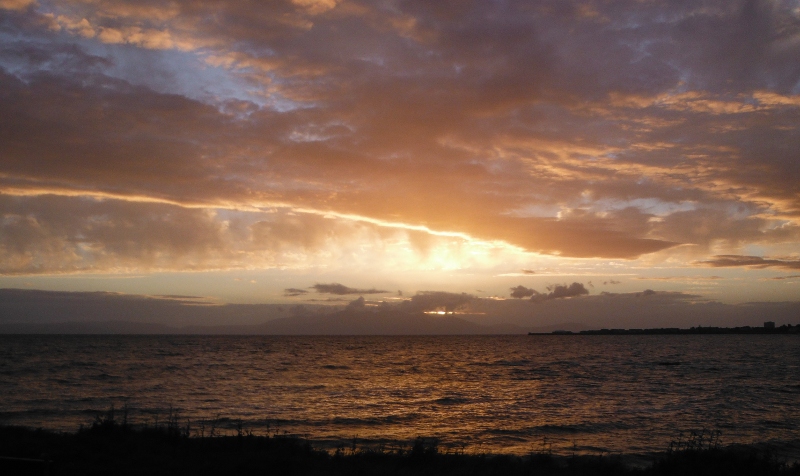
(427, 122)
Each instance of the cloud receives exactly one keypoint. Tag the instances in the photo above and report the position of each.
(781, 278)
(528, 271)
(679, 278)
(16, 4)
(437, 301)
(49, 234)
(560, 291)
(729, 261)
(52, 235)
(520, 292)
(340, 289)
(659, 124)
(611, 282)
(291, 292)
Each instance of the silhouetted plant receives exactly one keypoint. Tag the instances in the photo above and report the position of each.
(696, 441)
(125, 416)
(110, 447)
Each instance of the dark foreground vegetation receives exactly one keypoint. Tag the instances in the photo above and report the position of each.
(112, 448)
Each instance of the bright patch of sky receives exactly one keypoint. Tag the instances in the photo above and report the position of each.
(184, 73)
(648, 205)
(537, 210)
(754, 250)
(180, 72)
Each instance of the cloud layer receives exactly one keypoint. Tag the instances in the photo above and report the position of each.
(145, 136)
(730, 261)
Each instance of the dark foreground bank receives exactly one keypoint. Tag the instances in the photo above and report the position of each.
(108, 447)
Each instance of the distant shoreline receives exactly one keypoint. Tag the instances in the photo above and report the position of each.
(748, 330)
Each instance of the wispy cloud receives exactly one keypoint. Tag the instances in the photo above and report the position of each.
(142, 137)
(340, 289)
(292, 292)
(728, 261)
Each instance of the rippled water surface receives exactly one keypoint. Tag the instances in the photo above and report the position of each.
(630, 394)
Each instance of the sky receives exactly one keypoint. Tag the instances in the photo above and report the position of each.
(267, 152)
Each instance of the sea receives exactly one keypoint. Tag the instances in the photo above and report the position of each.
(476, 394)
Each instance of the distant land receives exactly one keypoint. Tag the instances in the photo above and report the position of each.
(768, 328)
(28, 311)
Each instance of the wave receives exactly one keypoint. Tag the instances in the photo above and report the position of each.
(451, 401)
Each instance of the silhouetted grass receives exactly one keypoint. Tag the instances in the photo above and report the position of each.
(112, 447)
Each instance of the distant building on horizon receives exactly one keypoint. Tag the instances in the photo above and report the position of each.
(769, 325)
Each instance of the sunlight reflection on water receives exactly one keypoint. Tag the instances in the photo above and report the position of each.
(509, 394)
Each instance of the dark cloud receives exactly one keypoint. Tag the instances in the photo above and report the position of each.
(611, 282)
(291, 292)
(730, 261)
(781, 278)
(528, 271)
(609, 130)
(520, 292)
(559, 291)
(562, 290)
(340, 289)
(438, 301)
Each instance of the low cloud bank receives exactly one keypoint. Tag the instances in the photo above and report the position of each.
(36, 311)
(341, 289)
(438, 301)
(733, 261)
(557, 291)
(560, 291)
(520, 292)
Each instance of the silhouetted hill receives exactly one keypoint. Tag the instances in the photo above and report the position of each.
(381, 322)
(340, 323)
(106, 327)
(36, 311)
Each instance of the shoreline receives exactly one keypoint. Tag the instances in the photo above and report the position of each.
(743, 330)
(109, 447)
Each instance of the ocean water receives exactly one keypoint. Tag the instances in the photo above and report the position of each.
(506, 394)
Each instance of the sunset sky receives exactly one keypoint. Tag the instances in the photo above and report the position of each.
(250, 151)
